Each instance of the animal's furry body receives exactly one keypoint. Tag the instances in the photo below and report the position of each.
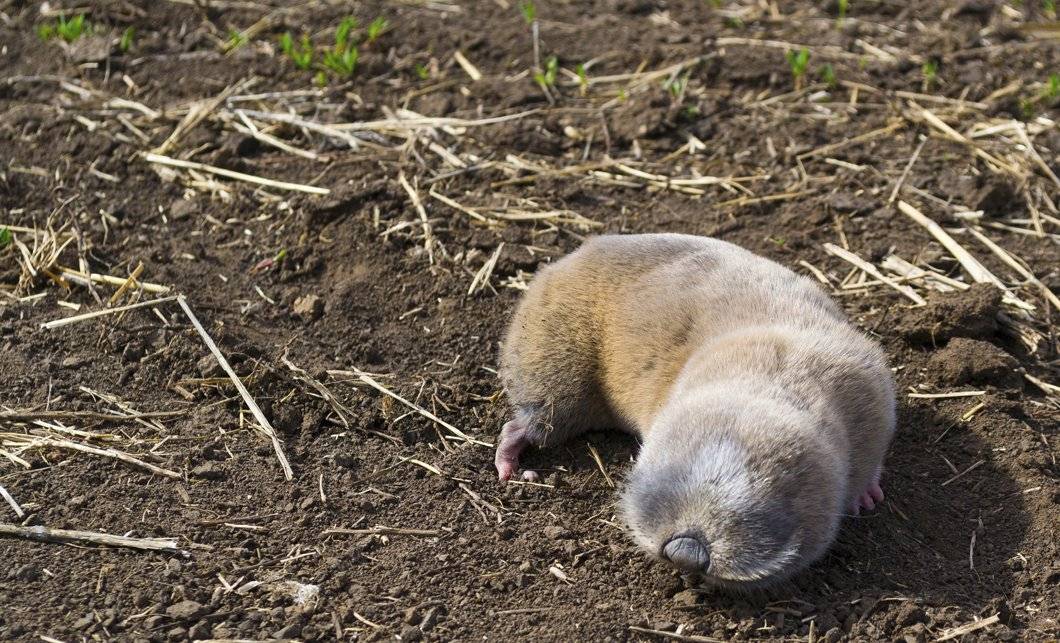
(764, 414)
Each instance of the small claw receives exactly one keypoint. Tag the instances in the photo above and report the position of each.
(531, 476)
(512, 442)
(876, 491)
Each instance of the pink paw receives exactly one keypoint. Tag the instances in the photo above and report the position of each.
(512, 442)
(869, 498)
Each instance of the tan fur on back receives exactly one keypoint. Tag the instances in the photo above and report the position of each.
(606, 337)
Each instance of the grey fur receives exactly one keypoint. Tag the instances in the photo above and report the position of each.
(763, 412)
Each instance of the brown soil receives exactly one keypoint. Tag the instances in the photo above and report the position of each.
(355, 288)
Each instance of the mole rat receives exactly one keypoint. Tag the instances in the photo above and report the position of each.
(763, 414)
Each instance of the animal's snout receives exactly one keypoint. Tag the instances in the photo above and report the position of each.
(688, 551)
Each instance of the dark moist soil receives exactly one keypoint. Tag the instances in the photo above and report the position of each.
(355, 288)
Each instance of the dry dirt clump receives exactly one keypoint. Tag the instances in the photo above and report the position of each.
(251, 291)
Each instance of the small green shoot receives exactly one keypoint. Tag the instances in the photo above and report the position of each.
(342, 32)
(1049, 6)
(376, 29)
(1052, 87)
(827, 73)
(321, 79)
(422, 72)
(301, 55)
(583, 79)
(5, 237)
(929, 71)
(126, 42)
(69, 30)
(798, 61)
(342, 61)
(547, 78)
(236, 39)
(734, 22)
(529, 12)
(676, 86)
(843, 5)
(72, 29)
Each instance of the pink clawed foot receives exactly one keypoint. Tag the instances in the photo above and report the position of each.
(870, 497)
(512, 442)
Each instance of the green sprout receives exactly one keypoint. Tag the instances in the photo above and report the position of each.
(422, 72)
(1050, 7)
(676, 86)
(734, 22)
(321, 79)
(69, 30)
(547, 78)
(127, 36)
(929, 71)
(827, 73)
(1052, 87)
(529, 11)
(342, 32)
(583, 79)
(301, 55)
(376, 29)
(843, 6)
(236, 39)
(342, 61)
(798, 60)
(5, 237)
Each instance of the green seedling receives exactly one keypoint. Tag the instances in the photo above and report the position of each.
(321, 79)
(827, 73)
(5, 237)
(583, 79)
(1050, 7)
(376, 29)
(69, 30)
(734, 22)
(547, 78)
(342, 61)
(236, 39)
(529, 12)
(676, 86)
(929, 71)
(342, 32)
(798, 61)
(302, 54)
(1052, 87)
(843, 5)
(422, 72)
(127, 36)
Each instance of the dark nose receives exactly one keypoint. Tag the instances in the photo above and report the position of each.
(689, 552)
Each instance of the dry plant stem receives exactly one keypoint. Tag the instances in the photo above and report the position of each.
(85, 278)
(72, 537)
(11, 501)
(239, 176)
(1011, 262)
(32, 441)
(976, 270)
(30, 416)
(870, 269)
(955, 632)
(100, 313)
(319, 128)
(367, 379)
(428, 237)
(277, 446)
